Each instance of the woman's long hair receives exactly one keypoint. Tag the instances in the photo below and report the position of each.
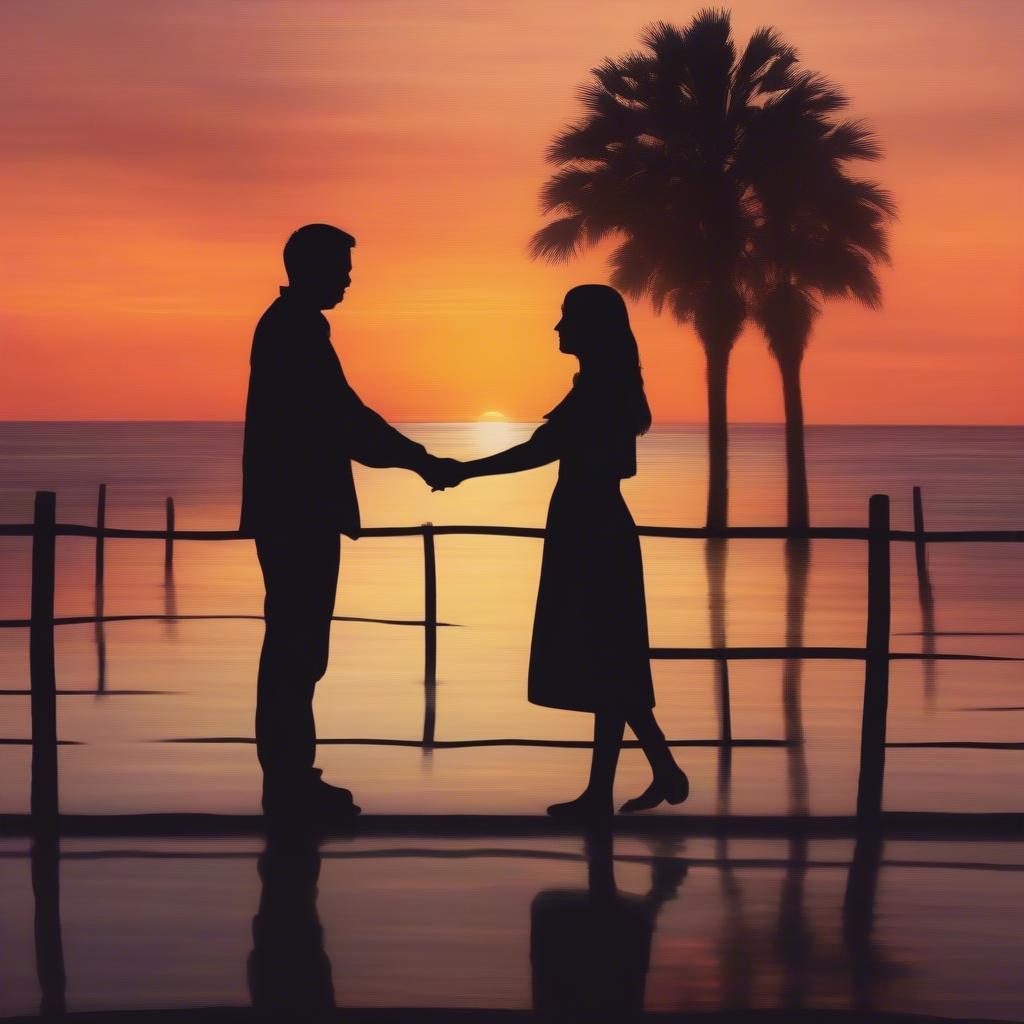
(611, 359)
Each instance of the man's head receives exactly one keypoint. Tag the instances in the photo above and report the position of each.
(318, 260)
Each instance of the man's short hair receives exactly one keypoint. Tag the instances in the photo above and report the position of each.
(311, 244)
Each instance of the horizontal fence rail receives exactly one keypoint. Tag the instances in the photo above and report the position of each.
(876, 653)
(681, 532)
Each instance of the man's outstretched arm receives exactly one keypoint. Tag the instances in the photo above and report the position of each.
(372, 441)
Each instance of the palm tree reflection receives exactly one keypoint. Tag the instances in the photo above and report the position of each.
(737, 949)
(926, 600)
(715, 562)
(794, 939)
(798, 565)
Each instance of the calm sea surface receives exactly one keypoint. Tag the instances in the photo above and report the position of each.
(191, 679)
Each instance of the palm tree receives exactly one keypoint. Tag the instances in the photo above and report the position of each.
(821, 234)
(660, 160)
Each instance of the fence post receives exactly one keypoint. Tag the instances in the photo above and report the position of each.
(876, 667)
(101, 524)
(42, 674)
(429, 635)
(169, 542)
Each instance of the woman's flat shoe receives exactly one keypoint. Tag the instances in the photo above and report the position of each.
(673, 791)
(583, 808)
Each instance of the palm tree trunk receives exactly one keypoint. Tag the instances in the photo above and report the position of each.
(718, 437)
(798, 507)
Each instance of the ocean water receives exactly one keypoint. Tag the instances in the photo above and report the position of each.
(136, 684)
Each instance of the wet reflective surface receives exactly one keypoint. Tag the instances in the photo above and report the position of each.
(573, 928)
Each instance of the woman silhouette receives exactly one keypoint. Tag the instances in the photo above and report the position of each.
(590, 646)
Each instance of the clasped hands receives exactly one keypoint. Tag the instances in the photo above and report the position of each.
(440, 474)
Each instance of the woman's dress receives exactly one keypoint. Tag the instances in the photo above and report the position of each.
(590, 648)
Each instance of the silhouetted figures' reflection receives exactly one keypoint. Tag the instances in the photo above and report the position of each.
(49, 944)
(289, 973)
(798, 565)
(590, 950)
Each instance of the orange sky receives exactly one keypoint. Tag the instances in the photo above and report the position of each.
(156, 156)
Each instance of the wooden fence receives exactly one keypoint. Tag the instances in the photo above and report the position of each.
(876, 653)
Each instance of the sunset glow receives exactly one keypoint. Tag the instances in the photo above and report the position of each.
(156, 157)
(442, 681)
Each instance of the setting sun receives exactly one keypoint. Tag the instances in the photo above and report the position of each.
(492, 417)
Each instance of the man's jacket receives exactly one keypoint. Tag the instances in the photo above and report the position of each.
(303, 426)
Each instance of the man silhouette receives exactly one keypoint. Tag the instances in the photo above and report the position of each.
(303, 426)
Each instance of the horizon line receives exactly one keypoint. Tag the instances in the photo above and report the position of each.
(510, 422)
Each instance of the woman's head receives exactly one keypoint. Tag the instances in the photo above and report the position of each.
(595, 328)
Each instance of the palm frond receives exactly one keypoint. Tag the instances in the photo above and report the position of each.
(872, 195)
(779, 75)
(852, 140)
(765, 50)
(848, 272)
(813, 93)
(566, 190)
(559, 241)
(623, 78)
(662, 38)
(633, 270)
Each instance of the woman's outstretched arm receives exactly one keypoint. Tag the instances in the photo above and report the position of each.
(538, 451)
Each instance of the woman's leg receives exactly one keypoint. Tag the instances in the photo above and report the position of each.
(670, 782)
(596, 799)
(646, 729)
(608, 729)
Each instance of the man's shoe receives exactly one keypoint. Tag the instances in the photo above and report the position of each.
(332, 801)
(308, 797)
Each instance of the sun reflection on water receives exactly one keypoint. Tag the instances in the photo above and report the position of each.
(493, 433)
